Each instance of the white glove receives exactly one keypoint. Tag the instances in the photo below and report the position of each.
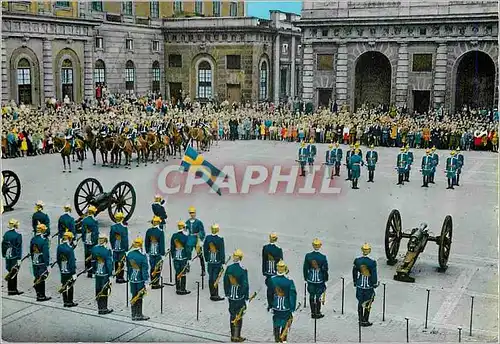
(74, 277)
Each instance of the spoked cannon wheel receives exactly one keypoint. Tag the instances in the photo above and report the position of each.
(86, 191)
(123, 199)
(393, 235)
(445, 243)
(11, 189)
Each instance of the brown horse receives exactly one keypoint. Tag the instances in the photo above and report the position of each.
(141, 147)
(91, 141)
(160, 148)
(200, 136)
(176, 140)
(63, 146)
(127, 147)
(105, 145)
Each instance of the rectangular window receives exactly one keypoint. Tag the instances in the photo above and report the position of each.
(284, 49)
(175, 61)
(67, 76)
(156, 45)
(99, 75)
(127, 8)
(233, 61)
(129, 79)
(177, 6)
(263, 84)
(63, 4)
(129, 44)
(324, 62)
(156, 79)
(283, 79)
(97, 6)
(23, 76)
(299, 49)
(233, 9)
(198, 7)
(422, 62)
(98, 42)
(204, 83)
(216, 8)
(324, 32)
(154, 9)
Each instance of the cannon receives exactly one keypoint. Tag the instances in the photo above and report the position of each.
(418, 239)
(122, 198)
(11, 189)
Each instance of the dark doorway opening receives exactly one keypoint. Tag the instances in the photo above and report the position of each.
(372, 80)
(175, 91)
(324, 97)
(421, 101)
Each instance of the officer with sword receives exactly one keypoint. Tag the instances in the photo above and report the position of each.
(137, 268)
(155, 248)
(102, 264)
(118, 237)
(181, 254)
(12, 251)
(214, 252)
(67, 266)
(39, 250)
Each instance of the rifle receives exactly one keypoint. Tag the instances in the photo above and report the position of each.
(76, 242)
(15, 269)
(139, 296)
(286, 329)
(221, 272)
(243, 309)
(70, 282)
(179, 276)
(107, 287)
(44, 274)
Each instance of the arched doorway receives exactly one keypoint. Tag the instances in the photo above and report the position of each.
(372, 80)
(263, 81)
(24, 82)
(67, 79)
(204, 80)
(475, 81)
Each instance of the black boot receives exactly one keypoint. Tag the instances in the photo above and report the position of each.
(431, 179)
(365, 318)
(400, 179)
(237, 331)
(133, 309)
(65, 298)
(337, 171)
(231, 325)
(105, 306)
(70, 298)
(360, 315)
(216, 294)
(140, 316)
(276, 332)
(183, 286)
(353, 184)
(202, 265)
(318, 310)
(356, 183)
(42, 296)
(13, 287)
(177, 286)
(458, 180)
(312, 303)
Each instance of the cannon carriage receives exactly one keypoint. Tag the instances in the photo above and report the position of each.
(418, 239)
(11, 189)
(122, 198)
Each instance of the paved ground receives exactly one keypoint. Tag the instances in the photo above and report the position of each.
(344, 221)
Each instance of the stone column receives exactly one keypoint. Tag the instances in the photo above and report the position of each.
(5, 71)
(307, 72)
(440, 76)
(88, 70)
(402, 75)
(292, 70)
(48, 73)
(341, 76)
(277, 54)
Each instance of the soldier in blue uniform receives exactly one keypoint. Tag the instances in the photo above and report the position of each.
(460, 164)
(329, 161)
(303, 157)
(371, 162)
(155, 248)
(159, 211)
(215, 255)
(102, 264)
(181, 255)
(90, 235)
(12, 251)
(409, 158)
(271, 255)
(283, 302)
(196, 233)
(311, 148)
(435, 161)
(315, 271)
(356, 146)
(39, 250)
(137, 269)
(67, 267)
(337, 157)
(40, 217)
(347, 161)
(118, 237)
(364, 275)
(451, 169)
(66, 223)
(236, 288)
(427, 165)
(402, 165)
(355, 162)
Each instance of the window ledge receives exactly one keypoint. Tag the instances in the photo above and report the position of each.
(99, 49)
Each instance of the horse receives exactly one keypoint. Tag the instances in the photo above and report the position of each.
(63, 146)
(105, 145)
(91, 141)
(116, 151)
(127, 148)
(142, 150)
(153, 145)
(176, 142)
(161, 148)
(200, 136)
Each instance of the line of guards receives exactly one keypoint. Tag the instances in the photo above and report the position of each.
(106, 263)
(354, 161)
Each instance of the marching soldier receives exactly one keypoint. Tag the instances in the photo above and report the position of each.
(215, 255)
(355, 162)
(451, 169)
(329, 161)
(181, 255)
(67, 267)
(196, 233)
(337, 159)
(303, 157)
(39, 250)
(158, 210)
(66, 223)
(435, 161)
(137, 269)
(90, 236)
(102, 264)
(371, 162)
(12, 251)
(364, 275)
(427, 165)
(311, 148)
(315, 272)
(283, 302)
(271, 254)
(236, 288)
(402, 164)
(118, 236)
(460, 164)
(409, 157)
(347, 161)
(155, 248)
(40, 217)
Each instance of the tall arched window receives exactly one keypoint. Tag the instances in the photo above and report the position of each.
(156, 77)
(99, 72)
(24, 81)
(129, 77)
(204, 80)
(263, 81)
(67, 79)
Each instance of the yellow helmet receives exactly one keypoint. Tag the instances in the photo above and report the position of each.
(356, 150)
(39, 204)
(281, 267)
(366, 249)
(192, 210)
(311, 140)
(238, 254)
(403, 149)
(433, 148)
(41, 228)
(337, 145)
(138, 242)
(67, 207)
(317, 243)
(427, 151)
(458, 149)
(68, 235)
(119, 216)
(372, 146)
(453, 152)
(70, 124)
(103, 237)
(215, 228)
(13, 223)
(273, 237)
(92, 210)
(156, 219)
(302, 144)
(181, 225)
(330, 146)
(357, 144)
(351, 146)
(158, 198)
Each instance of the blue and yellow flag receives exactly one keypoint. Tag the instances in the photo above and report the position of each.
(194, 162)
